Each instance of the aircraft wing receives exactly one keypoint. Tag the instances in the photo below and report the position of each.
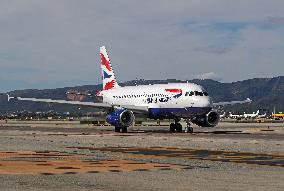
(102, 106)
(248, 100)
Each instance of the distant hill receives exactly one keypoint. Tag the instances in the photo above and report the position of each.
(265, 93)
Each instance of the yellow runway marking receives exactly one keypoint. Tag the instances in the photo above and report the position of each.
(48, 163)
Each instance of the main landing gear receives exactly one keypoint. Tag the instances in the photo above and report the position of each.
(177, 127)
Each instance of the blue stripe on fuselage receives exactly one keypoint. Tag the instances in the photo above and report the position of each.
(178, 112)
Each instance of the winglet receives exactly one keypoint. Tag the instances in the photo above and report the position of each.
(9, 97)
(248, 100)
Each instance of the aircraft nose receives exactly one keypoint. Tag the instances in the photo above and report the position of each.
(207, 102)
(210, 102)
(202, 102)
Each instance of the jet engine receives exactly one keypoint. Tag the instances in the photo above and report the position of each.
(120, 118)
(211, 119)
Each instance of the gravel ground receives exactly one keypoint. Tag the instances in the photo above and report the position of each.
(203, 174)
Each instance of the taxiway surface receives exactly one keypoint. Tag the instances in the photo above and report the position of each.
(69, 156)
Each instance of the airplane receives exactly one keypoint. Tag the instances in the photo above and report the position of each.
(251, 115)
(223, 115)
(235, 116)
(262, 115)
(278, 115)
(174, 101)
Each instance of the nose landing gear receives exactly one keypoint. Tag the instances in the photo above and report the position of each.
(188, 128)
(177, 127)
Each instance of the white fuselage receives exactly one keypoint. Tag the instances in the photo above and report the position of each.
(176, 96)
(232, 116)
(253, 115)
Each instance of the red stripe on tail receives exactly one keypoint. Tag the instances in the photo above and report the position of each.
(105, 62)
(109, 85)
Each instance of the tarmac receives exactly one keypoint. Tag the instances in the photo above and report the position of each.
(57, 155)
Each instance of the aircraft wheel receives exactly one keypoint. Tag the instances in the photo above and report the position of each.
(188, 130)
(179, 127)
(124, 129)
(172, 127)
(117, 129)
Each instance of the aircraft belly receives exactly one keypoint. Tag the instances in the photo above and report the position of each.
(187, 112)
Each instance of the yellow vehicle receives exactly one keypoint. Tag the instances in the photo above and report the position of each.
(278, 115)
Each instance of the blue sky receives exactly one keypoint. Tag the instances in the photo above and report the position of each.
(49, 43)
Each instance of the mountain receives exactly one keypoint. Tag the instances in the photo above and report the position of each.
(265, 93)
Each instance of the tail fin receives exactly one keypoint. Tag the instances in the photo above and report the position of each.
(109, 80)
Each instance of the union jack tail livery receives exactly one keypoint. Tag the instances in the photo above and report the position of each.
(109, 80)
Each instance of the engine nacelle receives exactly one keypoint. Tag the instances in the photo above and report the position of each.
(120, 118)
(211, 119)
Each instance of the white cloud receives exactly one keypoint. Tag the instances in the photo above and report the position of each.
(276, 20)
(208, 75)
(58, 41)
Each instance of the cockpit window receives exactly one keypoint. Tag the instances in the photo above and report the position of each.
(205, 93)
